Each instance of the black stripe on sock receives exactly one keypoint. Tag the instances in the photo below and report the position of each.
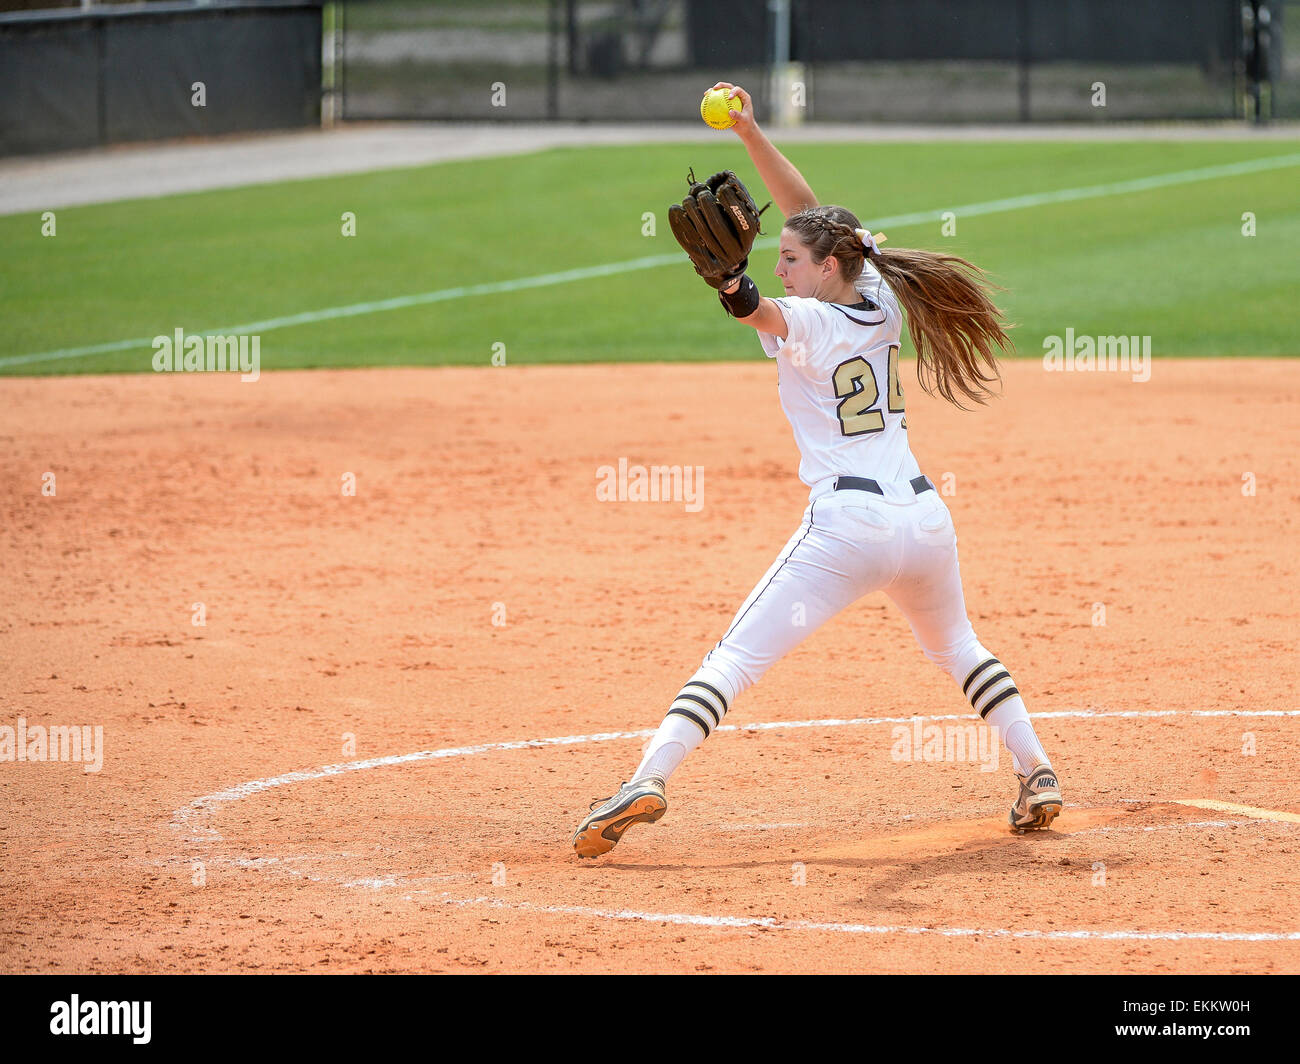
(1003, 675)
(1002, 696)
(712, 690)
(690, 716)
(696, 698)
(976, 671)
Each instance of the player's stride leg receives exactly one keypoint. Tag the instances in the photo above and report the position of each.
(812, 579)
(694, 713)
(698, 708)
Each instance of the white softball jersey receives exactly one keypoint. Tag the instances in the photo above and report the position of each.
(838, 378)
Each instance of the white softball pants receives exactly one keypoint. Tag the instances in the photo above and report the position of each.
(849, 544)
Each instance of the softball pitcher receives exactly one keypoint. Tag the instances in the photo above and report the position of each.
(873, 521)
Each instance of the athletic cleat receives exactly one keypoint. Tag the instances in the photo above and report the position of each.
(640, 802)
(1039, 801)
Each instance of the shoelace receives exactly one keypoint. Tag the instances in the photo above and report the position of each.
(596, 802)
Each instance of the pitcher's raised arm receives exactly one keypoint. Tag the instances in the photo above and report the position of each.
(785, 184)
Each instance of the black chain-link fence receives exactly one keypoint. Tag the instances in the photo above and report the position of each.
(1284, 60)
(826, 60)
(520, 59)
(74, 77)
(77, 77)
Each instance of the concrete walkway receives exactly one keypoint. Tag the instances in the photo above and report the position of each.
(36, 183)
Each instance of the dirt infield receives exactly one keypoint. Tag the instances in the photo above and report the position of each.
(474, 597)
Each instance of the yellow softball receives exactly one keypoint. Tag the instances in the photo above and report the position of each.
(714, 108)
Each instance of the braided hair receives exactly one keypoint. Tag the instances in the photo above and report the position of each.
(952, 322)
(830, 230)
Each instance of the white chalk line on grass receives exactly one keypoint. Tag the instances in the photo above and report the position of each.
(208, 804)
(586, 273)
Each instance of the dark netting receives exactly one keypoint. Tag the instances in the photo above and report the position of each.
(849, 60)
(46, 101)
(260, 69)
(75, 79)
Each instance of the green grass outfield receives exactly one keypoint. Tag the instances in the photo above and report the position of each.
(1170, 261)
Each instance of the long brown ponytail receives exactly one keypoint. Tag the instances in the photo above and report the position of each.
(953, 323)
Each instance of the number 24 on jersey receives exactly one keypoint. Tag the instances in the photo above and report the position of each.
(858, 392)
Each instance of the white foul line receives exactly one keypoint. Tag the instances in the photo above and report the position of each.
(210, 802)
(1278, 816)
(769, 923)
(1012, 203)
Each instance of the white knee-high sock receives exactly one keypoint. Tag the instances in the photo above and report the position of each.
(994, 696)
(698, 708)
(1012, 722)
(675, 738)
